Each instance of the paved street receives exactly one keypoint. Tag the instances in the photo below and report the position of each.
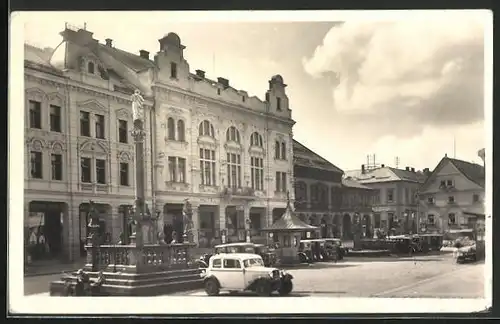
(423, 276)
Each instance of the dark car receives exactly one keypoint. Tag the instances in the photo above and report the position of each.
(432, 242)
(336, 243)
(315, 250)
(267, 254)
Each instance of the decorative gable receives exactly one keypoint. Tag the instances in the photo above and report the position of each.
(92, 104)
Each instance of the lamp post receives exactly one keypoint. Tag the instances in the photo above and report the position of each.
(248, 234)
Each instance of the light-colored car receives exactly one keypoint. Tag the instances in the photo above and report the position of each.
(239, 272)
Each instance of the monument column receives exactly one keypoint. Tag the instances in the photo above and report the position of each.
(246, 217)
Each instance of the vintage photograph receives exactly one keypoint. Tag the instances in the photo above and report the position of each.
(250, 158)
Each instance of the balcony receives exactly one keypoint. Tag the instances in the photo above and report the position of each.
(245, 192)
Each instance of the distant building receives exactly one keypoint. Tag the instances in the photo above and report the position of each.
(324, 199)
(395, 204)
(453, 196)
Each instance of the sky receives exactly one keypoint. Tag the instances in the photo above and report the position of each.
(406, 88)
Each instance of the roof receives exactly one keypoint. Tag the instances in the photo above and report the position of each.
(303, 156)
(37, 55)
(235, 244)
(385, 174)
(472, 171)
(351, 183)
(236, 255)
(135, 62)
(290, 222)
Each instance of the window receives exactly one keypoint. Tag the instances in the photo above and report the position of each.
(376, 216)
(232, 134)
(277, 150)
(256, 140)
(281, 181)
(171, 129)
(173, 70)
(232, 264)
(35, 114)
(267, 96)
(430, 200)
(390, 195)
(84, 123)
(218, 92)
(181, 134)
(99, 126)
(56, 166)
(86, 170)
(123, 131)
(91, 68)
(233, 170)
(451, 199)
(243, 98)
(430, 219)
(177, 169)
(206, 129)
(100, 169)
(55, 118)
(283, 150)
(124, 177)
(449, 183)
(407, 195)
(207, 167)
(376, 196)
(451, 219)
(300, 192)
(36, 165)
(443, 184)
(278, 104)
(475, 198)
(257, 173)
(217, 263)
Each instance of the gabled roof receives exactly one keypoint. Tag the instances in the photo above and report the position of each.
(289, 222)
(305, 157)
(472, 171)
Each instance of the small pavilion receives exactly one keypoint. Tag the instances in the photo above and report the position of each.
(287, 231)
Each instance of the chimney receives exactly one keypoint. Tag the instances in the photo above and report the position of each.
(407, 168)
(109, 42)
(412, 169)
(224, 82)
(200, 73)
(144, 54)
(382, 165)
(362, 169)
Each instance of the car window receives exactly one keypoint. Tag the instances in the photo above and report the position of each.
(216, 263)
(232, 249)
(253, 263)
(232, 264)
(249, 249)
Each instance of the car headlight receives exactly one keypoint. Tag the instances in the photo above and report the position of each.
(271, 274)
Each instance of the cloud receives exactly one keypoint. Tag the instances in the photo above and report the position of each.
(400, 76)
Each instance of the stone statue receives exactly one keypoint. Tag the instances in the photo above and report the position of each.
(187, 213)
(137, 105)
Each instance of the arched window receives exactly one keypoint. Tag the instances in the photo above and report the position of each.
(256, 140)
(233, 134)
(171, 129)
(206, 129)
(90, 67)
(181, 134)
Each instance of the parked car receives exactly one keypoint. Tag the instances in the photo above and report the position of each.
(268, 255)
(340, 249)
(473, 252)
(239, 272)
(432, 242)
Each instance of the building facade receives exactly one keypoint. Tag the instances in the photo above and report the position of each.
(395, 205)
(453, 196)
(230, 154)
(326, 200)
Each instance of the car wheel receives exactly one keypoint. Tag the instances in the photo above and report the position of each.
(212, 287)
(263, 288)
(285, 288)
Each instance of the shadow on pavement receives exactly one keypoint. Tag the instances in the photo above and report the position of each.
(249, 294)
(318, 266)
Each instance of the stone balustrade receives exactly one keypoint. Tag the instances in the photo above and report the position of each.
(148, 258)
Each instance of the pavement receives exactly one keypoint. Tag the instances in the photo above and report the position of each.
(52, 267)
(422, 276)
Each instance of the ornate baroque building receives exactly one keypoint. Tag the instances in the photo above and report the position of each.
(229, 153)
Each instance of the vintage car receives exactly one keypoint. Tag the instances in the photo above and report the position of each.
(267, 254)
(339, 247)
(403, 244)
(240, 272)
(432, 242)
(314, 250)
(472, 252)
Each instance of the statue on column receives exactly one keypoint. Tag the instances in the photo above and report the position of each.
(137, 106)
(187, 218)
